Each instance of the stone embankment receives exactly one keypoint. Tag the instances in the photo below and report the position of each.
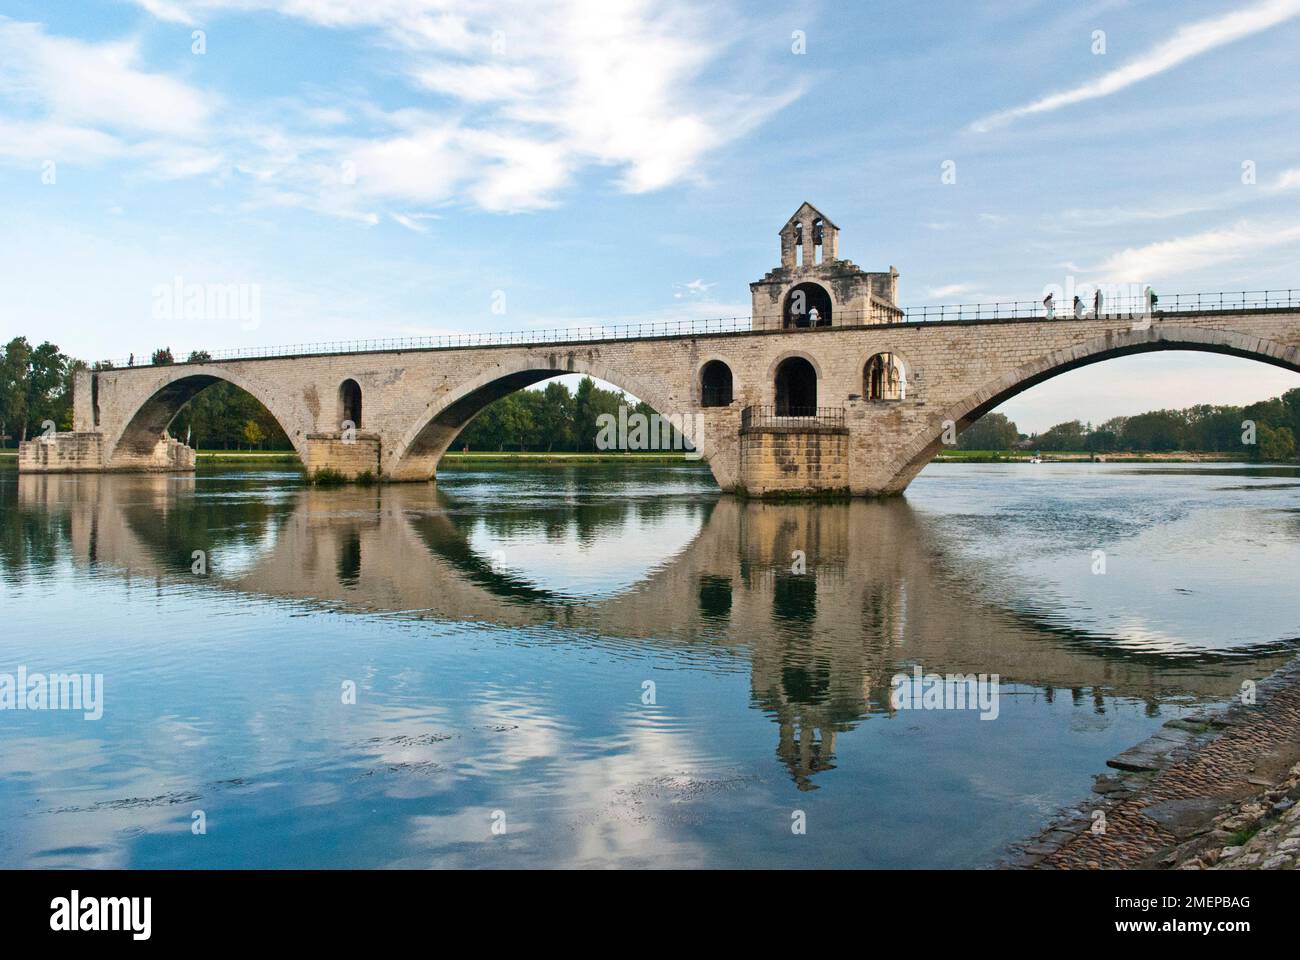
(1215, 790)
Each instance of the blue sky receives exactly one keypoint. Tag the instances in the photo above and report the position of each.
(381, 168)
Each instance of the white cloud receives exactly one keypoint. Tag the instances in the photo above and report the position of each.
(41, 140)
(949, 290)
(478, 82)
(1187, 254)
(693, 288)
(423, 166)
(410, 223)
(538, 94)
(100, 86)
(1187, 42)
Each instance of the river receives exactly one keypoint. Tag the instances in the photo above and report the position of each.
(611, 665)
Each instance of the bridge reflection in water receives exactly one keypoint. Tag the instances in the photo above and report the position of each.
(880, 589)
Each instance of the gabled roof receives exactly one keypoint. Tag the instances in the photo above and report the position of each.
(807, 207)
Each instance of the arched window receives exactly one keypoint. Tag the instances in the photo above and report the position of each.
(350, 403)
(796, 388)
(807, 305)
(715, 384)
(883, 378)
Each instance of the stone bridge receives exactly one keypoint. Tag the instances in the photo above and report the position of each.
(833, 388)
(414, 403)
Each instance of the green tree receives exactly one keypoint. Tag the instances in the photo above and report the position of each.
(48, 396)
(253, 434)
(555, 416)
(993, 431)
(1159, 431)
(1275, 443)
(34, 387)
(15, 369)
(516, 420)
(1064, 436)
(162, 357)
(584, 414)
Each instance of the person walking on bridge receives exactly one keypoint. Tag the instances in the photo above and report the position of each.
(1078, 308)
(1096, 304)
(1049, 304)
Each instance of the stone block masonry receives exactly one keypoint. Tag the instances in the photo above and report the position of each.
(62, 453)
(351, 459)
(792, 461)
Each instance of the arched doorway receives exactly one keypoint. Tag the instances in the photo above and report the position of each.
(796, 388)
(883, 378)
(807, 305)
(715, 384)
(350, 404)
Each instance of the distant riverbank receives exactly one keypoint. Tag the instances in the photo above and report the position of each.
(1021, 456)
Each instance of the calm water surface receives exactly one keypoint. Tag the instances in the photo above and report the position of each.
(500, 629)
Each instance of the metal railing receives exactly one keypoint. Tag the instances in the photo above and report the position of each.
(762, 415)
(1111, 308)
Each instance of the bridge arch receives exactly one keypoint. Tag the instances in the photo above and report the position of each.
(150, 408)
(415, 456)
(1114, 344)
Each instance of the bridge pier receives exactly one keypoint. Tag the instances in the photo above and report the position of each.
(789, 456)
(349, 456)
(83, 452)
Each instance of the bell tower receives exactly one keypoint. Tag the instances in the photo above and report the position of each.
(813, 287)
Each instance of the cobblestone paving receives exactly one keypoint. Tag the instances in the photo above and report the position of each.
(1213, 791)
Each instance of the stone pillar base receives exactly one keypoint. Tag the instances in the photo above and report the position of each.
(331, 458)
(62, 453)
(169, 455)
(83, 452)
(794, 461)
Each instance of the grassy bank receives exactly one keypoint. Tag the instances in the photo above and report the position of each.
(248, 457)
(507, 456)
(1080, 456)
